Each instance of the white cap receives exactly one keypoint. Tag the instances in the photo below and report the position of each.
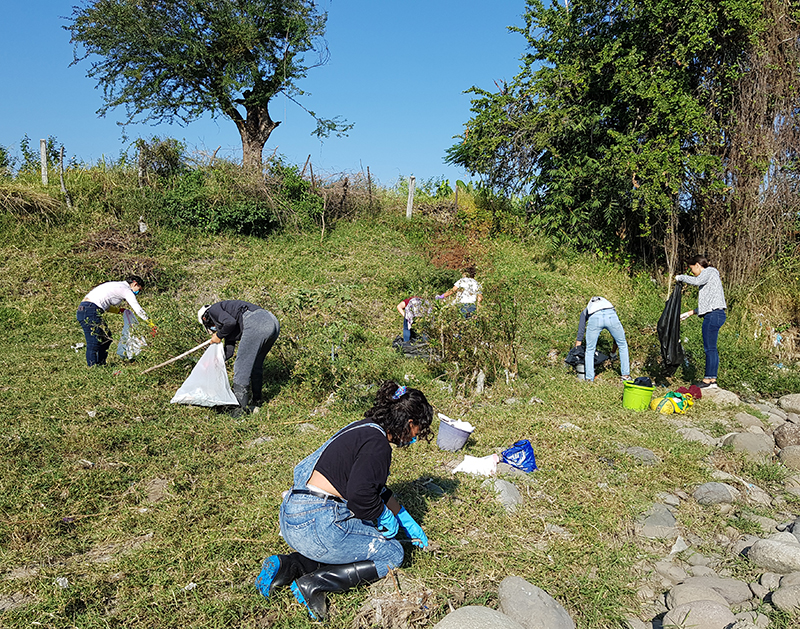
(200, 314)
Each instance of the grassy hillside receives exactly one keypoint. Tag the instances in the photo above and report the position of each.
(159, 515)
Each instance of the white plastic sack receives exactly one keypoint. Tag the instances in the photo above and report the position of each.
(208, 384)
(480, 466)
(130, 344)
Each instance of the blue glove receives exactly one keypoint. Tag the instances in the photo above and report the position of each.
(413, 530)
(387, 523)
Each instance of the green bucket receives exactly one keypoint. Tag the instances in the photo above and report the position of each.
(635, 397)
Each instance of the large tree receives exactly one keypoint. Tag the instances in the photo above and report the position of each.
(626, 123)
(167, 60)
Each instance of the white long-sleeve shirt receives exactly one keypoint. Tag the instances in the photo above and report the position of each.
(711, 296)
(112, 294)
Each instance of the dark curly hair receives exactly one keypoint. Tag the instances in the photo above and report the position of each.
(392, 413)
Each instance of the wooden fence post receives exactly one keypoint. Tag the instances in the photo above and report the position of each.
(43, 158)
(412, 183)
(61, 178)
(369, 187)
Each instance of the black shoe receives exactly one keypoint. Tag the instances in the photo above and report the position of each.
(708, 385)
(310, 589)
(280, 570)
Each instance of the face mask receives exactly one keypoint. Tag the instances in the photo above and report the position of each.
(136, 292)
(408, 443)
(213, 328)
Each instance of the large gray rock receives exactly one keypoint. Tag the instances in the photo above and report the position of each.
(790, 403)
(693, 434)
(507, 493)
(659, 523)
(682, 594)
(756, 448)
(787, 435)
(746, 420)
(700, 615)
(716, 493)
(790, 457)
(722, 397)
(775, 421)
(793, 578)
(531, 607)
(775, 556)
(787, 598)
(732, 590)
(477, 617)
(643, 455)
(791, 484)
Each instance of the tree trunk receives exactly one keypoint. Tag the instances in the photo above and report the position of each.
(254, 131)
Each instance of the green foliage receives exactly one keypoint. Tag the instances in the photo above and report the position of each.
(31, 155)
(171, 61)
(619, 119)
(487, 341)
(6, 162)
(164, 157)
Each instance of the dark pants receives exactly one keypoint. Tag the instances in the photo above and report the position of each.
(98, 337)
(712, 322)
(260, 330)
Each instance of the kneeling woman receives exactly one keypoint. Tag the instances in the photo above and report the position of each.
(339, 516)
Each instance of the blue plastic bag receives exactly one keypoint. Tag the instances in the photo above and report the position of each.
(521, 456)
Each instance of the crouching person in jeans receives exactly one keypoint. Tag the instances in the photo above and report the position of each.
(256, 330)
(339, 516)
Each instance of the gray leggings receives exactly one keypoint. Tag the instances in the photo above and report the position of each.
(260, 330)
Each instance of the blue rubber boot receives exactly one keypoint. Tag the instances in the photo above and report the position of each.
(280, 570)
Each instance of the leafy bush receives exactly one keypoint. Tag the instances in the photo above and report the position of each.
(487, 341)
(161, 157)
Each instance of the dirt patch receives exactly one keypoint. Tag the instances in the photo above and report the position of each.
(15, 600)
(156, 490)
(22, 572)
(105, 553)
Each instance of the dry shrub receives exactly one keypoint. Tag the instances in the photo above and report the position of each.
(116, 254)
(396, 602)
(26, 203)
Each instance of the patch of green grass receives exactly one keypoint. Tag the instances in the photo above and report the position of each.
(94, 459)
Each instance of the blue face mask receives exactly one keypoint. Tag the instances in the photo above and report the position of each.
(408, 443)
(136, 292)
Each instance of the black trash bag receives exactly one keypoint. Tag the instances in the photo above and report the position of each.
(643, 381)
(577, 356)
(669, 332)
(417, 346)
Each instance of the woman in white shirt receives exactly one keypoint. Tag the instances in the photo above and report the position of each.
(106, 298)
(468, 293)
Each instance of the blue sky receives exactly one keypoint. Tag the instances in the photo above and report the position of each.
(397, 70)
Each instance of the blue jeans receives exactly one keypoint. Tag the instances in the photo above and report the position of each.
(712, 322)
(606, 319)
(98, 338)
(327, 531)
(406, 331)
